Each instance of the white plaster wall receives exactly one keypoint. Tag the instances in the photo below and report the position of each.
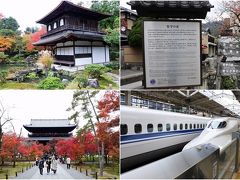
(82, 61)
(98, 54)
(107, 54)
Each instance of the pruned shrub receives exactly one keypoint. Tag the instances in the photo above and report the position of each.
(51, 83)
(96, 70)
(3, 57)
(3, 76)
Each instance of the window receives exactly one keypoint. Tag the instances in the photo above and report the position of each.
(55, 25)
(194, 126)
(160, 127)
(149, 128)
(217, 124)
(83, 50)
(181, 126)
(61, 22)
(175, 127)
(168, 127)
(186, 126)
(190, 126)
(200, 125)
(138, 128)
(152, 105)
(124, 129)
(49, 28)
(197, 125)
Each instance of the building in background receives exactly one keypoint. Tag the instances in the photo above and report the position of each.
(73, 35)
(45, 130)
(209, 44)
(130, 56)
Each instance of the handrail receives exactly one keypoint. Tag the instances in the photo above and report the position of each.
(71, 27)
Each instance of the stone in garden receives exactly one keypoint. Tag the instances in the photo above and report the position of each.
(65, 81)
(93, 83)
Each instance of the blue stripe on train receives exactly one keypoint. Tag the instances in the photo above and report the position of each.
(126, 139)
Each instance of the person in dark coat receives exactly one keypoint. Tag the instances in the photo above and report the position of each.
(48, 162)
(41, 166)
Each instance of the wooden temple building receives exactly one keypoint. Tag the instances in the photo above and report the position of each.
(73, 35)
(44, 130)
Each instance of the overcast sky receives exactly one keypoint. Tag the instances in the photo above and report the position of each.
(213, 14)
(27, 12)
(24, 105)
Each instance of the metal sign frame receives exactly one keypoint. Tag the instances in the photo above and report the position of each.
(145, 61)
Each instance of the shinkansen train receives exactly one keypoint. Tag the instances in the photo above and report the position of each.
(148, 135)
(218, 133)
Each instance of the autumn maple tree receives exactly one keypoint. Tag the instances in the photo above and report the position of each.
(5, 43)
(9, 144)
(70, 147)
(34, 37)
(107, 128)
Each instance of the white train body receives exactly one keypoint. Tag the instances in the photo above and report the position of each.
(160, 133)
(218, 133)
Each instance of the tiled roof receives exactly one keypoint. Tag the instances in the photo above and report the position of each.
(123, 9)
(49, 123)
(65, 35)
(69, 7)
(172, 9)
(173, 4)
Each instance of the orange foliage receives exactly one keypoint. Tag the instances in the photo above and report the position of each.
(31, 38)
(5, 43)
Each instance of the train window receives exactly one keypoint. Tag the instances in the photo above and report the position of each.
(186, 126)
(149, 128)
(168, 127)
(194, 126)
(175, 127)
(160, 128)
(190, 126)
(124, 129)
(181, 126)
(217, 125)
(138, 128)
(197, 125)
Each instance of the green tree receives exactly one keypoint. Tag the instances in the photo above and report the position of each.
(9, 23)
(30, 30)
(108, 7)
(135, 36)
(19, 45)
(110, 25)
(82, 103)
(7, 33)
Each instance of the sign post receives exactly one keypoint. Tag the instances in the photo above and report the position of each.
(172, 53)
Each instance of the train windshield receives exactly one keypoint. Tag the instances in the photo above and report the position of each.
(217, 124)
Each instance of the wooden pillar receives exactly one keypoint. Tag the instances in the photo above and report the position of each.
(128, 100)
(92, 51)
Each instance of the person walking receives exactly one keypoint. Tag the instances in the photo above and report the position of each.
(48, 163)
(41, 166)
(54, 164)
(68, 162)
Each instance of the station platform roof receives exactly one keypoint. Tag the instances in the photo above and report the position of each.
(193, 98)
